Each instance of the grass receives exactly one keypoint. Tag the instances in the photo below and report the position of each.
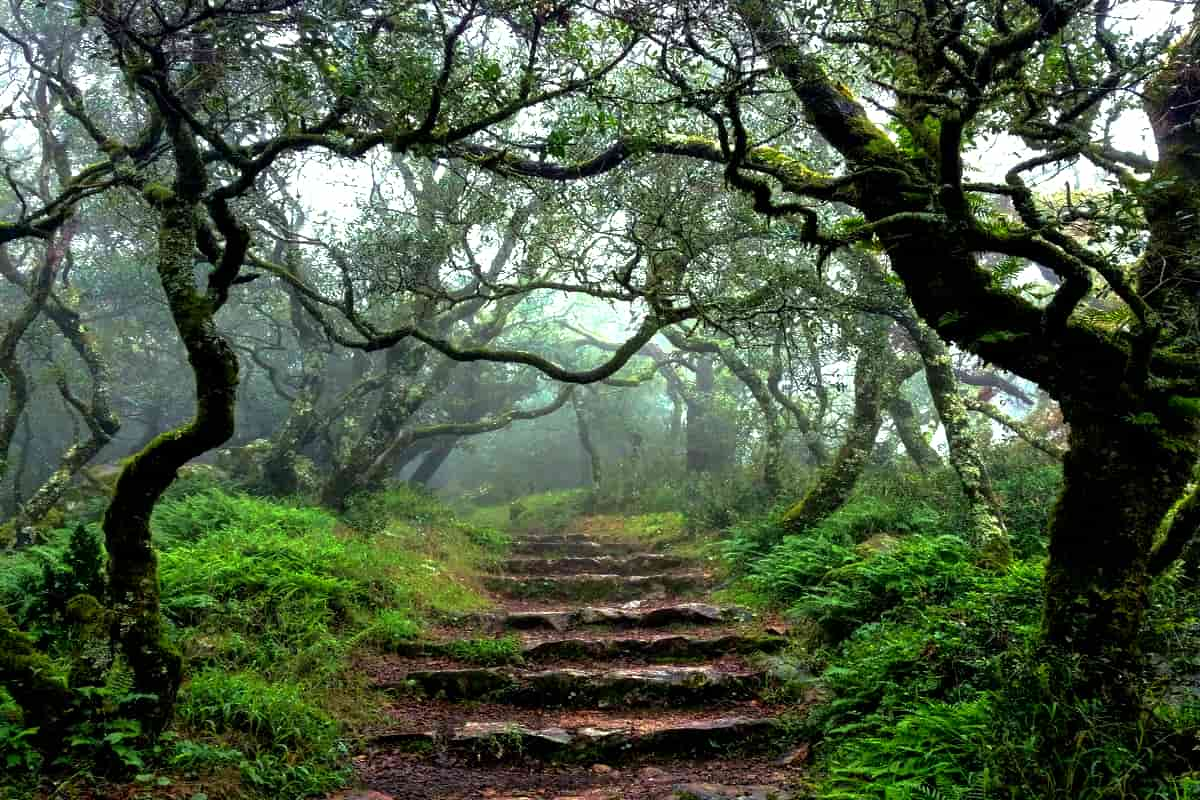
(547, 512)
(269, 601)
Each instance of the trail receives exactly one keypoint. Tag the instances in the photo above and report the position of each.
(631, 686)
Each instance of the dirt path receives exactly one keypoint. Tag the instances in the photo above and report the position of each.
(630, 686)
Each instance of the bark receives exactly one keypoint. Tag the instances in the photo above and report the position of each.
(773, 428)
(404, 393)
(405, 441)
(707, 448)
(877, 376)
(97, 413)
(809, 427)
(986, 523)
(1120, 480)
(11, 369)
(908, 428)
(133, 566)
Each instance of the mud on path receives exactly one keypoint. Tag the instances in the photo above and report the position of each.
(630, 684)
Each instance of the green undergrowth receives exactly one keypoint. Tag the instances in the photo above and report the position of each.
(934, 683)
(546, 512)
(271, 602)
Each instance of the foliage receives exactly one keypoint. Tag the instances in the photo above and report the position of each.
(37, 583)
(542, 512)
(936, 685)
(267, 600)
(287, 746)
(486, 652)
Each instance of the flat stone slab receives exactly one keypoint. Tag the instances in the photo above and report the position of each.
(664, 616)
(567, 536)
(716, 791)
(661, 647)
(506, 741)
(589, 587)
(637, 564)
(575, 688)
(580, 548)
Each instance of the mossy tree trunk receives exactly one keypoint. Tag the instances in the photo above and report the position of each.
(1119, 482)
(404, 393)
(772, 457)
(877, 377)
(279, 473)
(1129, 397)
(133, 590)
(700, 437)
(908, 428)
(595, 467)
(987, 529)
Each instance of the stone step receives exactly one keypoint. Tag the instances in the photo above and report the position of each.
(539, 547)
(614, 740)
(563, 536)
(655, 648)
(638, 564)
(672, 686)
(589, 587)
(659, 617)
(743, 777)
(658, 648)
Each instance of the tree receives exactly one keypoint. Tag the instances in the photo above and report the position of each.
(951, 75)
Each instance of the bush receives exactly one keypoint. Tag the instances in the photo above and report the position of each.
(37, 583)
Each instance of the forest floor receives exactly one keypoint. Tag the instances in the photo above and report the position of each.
(622, 679)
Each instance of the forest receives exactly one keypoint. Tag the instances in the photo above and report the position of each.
(598, 399)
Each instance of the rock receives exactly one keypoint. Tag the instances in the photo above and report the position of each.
(360, 794)
(601, 769)
(592, 587)
(716, 791)
(652, 774)
(797, 756)
(577, 688)
(638, 564)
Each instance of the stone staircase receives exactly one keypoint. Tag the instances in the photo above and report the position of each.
(629, 686)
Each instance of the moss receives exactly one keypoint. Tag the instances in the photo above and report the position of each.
(790, 168)
(35, 684)
(158, 194)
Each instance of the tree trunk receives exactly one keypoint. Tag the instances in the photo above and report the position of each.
(700, 444)
(987, 529)
(279, 475)
(589, 449)
(876, 377)
(101, 421)
(908, 428)
(1119, 481)
(403, 395)
(773, 428)
(433, 461)
(132, 566)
